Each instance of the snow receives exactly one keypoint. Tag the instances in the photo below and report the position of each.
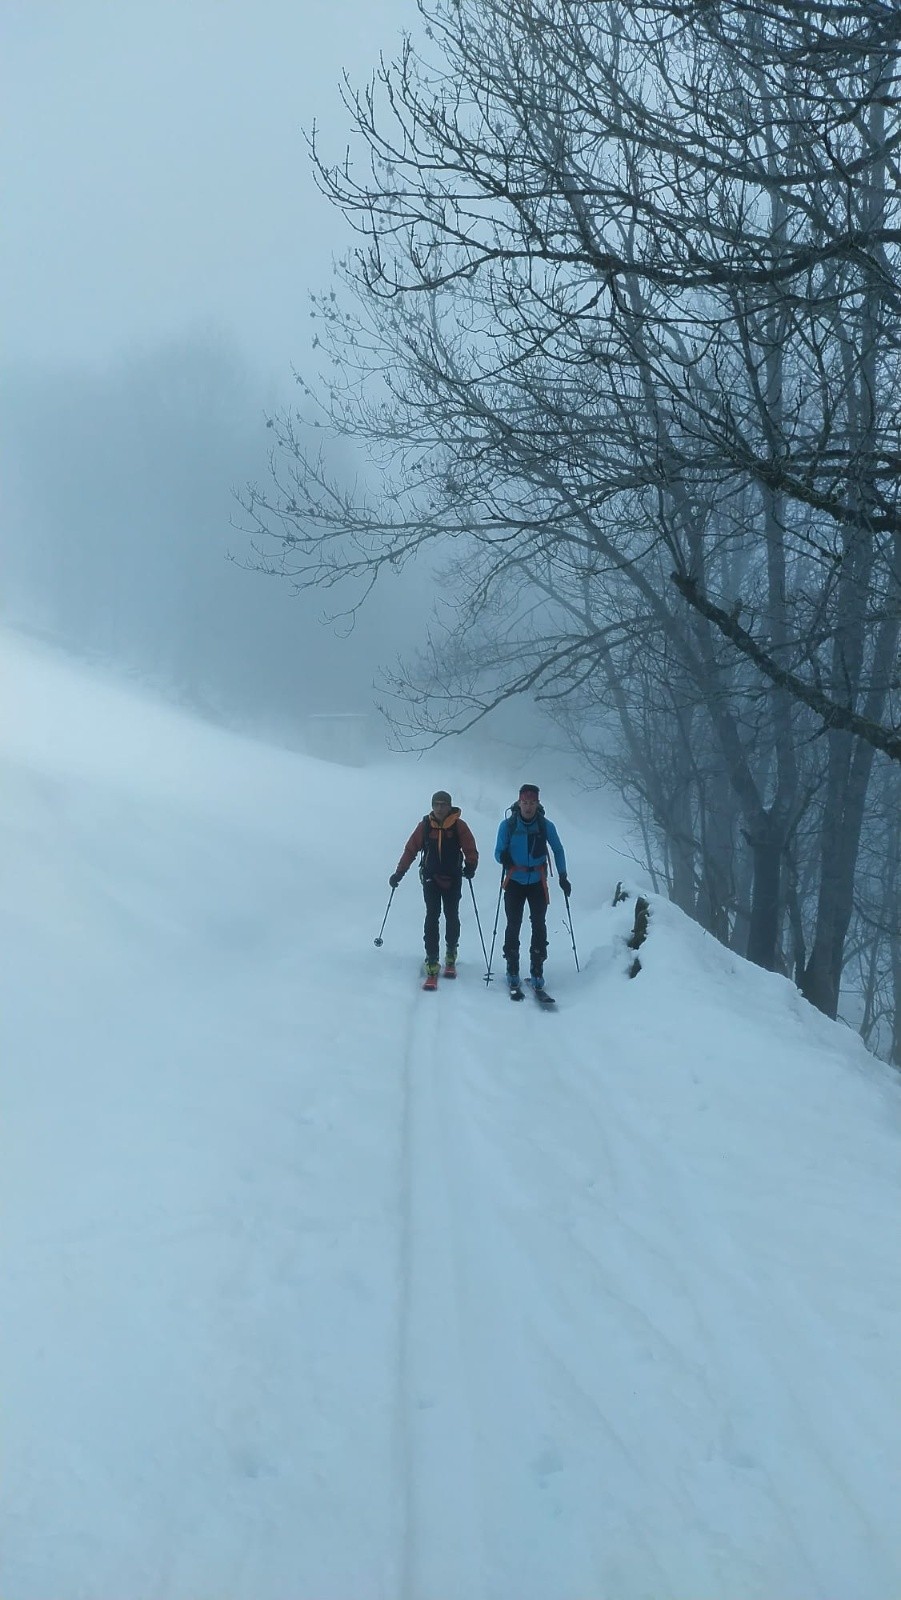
(316, 1287)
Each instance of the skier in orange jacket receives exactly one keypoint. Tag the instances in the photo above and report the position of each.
(449, 855)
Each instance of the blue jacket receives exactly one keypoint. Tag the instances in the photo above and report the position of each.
(522, 841)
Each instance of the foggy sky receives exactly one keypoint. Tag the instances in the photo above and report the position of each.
(155, 176)
(163, 236)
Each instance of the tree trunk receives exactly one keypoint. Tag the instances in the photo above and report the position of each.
(715, 889)
(764, 934)
(895, 1055)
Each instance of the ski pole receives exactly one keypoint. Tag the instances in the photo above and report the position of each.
(380, 940)
(494, 934)
(478, 923)
(569, 916)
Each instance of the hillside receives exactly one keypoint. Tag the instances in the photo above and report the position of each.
(319, 1288)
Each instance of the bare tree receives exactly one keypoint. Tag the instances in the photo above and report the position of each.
(874, 955)
(626, 320)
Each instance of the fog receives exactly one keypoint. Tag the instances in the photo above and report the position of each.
(155, 172)
(164, 235)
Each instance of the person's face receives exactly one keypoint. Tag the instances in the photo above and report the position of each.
(528, 805)
(440, 809)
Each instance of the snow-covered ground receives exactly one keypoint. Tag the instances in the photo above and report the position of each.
(316, 1287)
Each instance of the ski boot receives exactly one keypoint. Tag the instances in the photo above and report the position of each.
(515, 987)
(536, 984)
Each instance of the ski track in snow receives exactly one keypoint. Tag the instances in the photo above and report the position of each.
(534, 1455)
(441, 1536)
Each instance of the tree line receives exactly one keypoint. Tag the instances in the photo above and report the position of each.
(622, 344)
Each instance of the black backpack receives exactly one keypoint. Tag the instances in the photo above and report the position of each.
(537, 840)
(451, 840)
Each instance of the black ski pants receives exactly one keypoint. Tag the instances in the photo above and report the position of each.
(437, 899)
(516, 897)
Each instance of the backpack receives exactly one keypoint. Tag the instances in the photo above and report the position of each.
(451, 838)
(537, 840)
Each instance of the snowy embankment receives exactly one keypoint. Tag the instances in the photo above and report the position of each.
(319, 1288)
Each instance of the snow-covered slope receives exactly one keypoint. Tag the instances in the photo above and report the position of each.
(319, 1288)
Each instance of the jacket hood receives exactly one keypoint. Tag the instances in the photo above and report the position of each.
(452, 817)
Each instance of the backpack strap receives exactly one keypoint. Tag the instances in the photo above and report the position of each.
(424, 849)
(542, 831)
(450, 838)
(513, 814)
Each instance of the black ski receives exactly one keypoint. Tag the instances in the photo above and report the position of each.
(517, 994)
(543, 998)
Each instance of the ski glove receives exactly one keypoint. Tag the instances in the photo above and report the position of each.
(565, 885)
(394, 879)
(468, 871)
(506, 859)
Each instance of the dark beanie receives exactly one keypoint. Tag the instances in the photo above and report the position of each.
(441, 794)
(529, 788)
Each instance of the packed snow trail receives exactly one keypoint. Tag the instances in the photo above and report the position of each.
(632, 1397)
(317, 1286)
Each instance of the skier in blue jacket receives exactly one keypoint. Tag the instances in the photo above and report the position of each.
(523, 839)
